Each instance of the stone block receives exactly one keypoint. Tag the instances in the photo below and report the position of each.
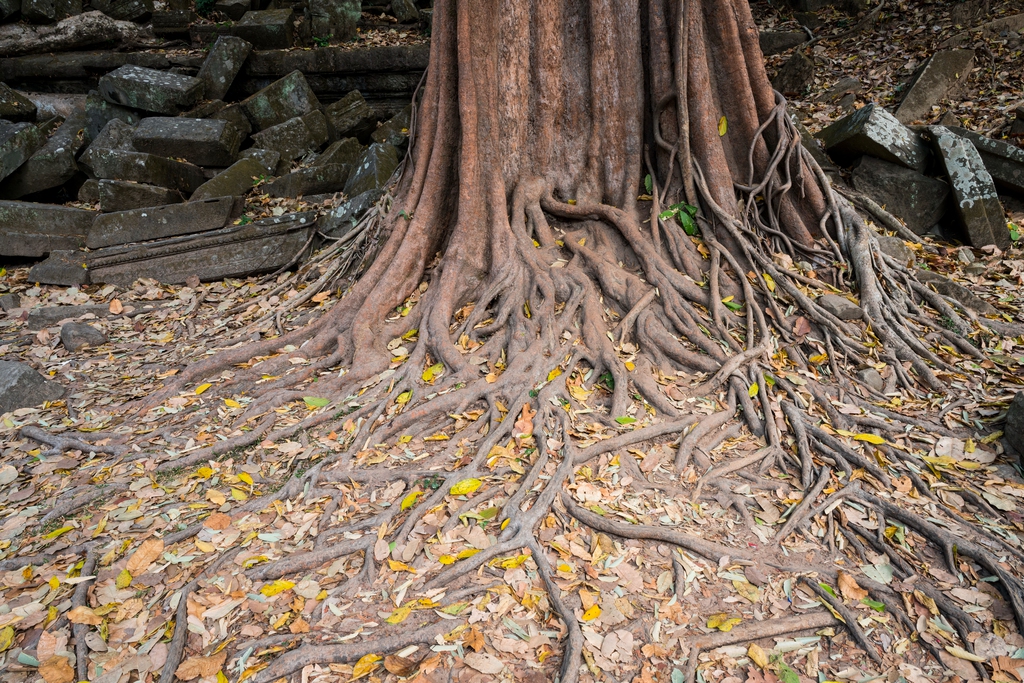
(174, 22)
(840, 307)
(159, 92)
(115, 164)
(343, 218)
(375, 168)
(238, 250)
(235, 181)
(1005, 162)
(14, 106)
(89, 192)
(77, 336)
(266, 158)
(10, 301)
(395, 131)
(351, 116)
(974, 192)
(233, 9)
(897, 249)
(115, 135)
(120, 195)
(318, 179)
(30, 229)
(9, 8)
(18, 142)
(283, 99)
(62, 267)
(294, 137)
(125, 10)
(49, 11)
(956, 291)
(235, 115)
(54, 163)
(918, 200)
(1014, 428)
(776, 42)
(405, 11)
(21, 386)
(205, 109)
(158, 222)
(99, 113)
(345, 152)
(222, 64)
(940, 75)
(875, 132)
(271, 29)
(336, 18)
(204, 142)
(795, 75)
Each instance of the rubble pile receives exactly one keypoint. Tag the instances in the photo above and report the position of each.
(149, 175)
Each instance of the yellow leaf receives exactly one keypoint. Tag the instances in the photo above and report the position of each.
(202, 387)
(752, 391)
(870, 438)
(246, 477)
(554, 373)
(6, 638)
(747, 590)
(123, 580)
(100, 526)
(54, 583)
(84, 615)
(433, 371)
(466, 486)
(446, 559)
(400, 567)
(468, 552)
(819, 358)
(723, 622)
(238, 495)
(410, 500)
(723, 127)
(513, 562)
(232, 403)
(405, 439)
(58, 532)
(963, 654)
(769, 281)
(204, 473)
(275, 587)
(364, 666)
(630, 366)
(399, 615)
(221, 678)
(757, 655)
(403, 397)
(593, 613)
(205, 546)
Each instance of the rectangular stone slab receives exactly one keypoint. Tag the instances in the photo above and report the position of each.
(235, 180)
(18, 142)
(54, 163)
(1005, 162)
(874, 131)
(121, 195)
(270, 29)
(238, 250)
(160, 92)
(116, 164)
(283, 99)
(974, 192)
(940, 75)
(205, 142)
(30, 229)
(157, 222)
(222, 64)
(14, 106)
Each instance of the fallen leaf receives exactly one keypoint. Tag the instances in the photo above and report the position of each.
(963, 654)
(147, 553)
(218, 521)
(116, 307)
(400, 666)
(399, 615)
(275, 587)
(365, 665)
(201, 667)
(56, 669)
(757, 655)
(849, 588)
(465, 487)
(484, 663)
(84, 615)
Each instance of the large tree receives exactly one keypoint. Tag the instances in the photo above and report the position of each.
(609, 192)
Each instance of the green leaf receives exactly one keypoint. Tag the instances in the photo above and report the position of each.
(678, 676)
(873, 604)
(625, 420)
(786, 674)
(689, 225)
(733, 306)
(648, 184)
(828, 589)
(316, 401)
(668, 213)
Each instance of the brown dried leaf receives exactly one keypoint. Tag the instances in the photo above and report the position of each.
(56, 669)
(84, 615)
(400, 666)
(218, 521)
(201, 667)
(849, 588)
(147, 553)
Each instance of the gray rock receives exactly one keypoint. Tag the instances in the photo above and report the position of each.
(9, 8)
(233, 9)
(77, 336)
(62, 267)
(351, 116)
(151, 223)
(395, 131)
(50, 316)
(18, 142)
(235, 115)
(918, 200)
(974, 192)
(1005, 162)
(14, 106)
(875, 132)
(776, 42)
(813, 145)
(89, 192)
(345, 152)
(22, 387)
(283, 99)
(125, 10)
(840, 307)
(337, 18)
(271, 29)
(115, 164)
(99, 113)
(121, 195)
(53, 165)
(313, 180)
(160, 92)
(375, 168)
(173, 23)
(205, 110)
(49, 11)
(343, 218)
(30, 229)
(1014, 428)
(872, 378)
(405, 11)
(205, 142)
(897, 249)
(235, 181)
(223, 63)
(843, 87)
(795, 76)
(9, 301)
(955, 291)
(115, 135)
(267, 158)
(294, 137)
(941, 74)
